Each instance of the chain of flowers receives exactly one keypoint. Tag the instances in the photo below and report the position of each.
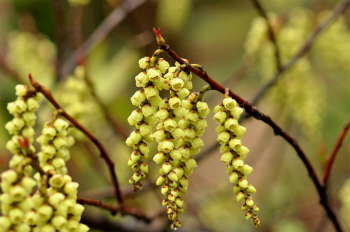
(233, 152)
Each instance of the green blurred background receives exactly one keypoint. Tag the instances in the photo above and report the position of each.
(311, 102)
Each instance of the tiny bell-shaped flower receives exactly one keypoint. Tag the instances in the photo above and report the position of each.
(242, 151)
(21, 90)
(233, 177)
(187, 104)
(144, 62)
(192, 116)
(240, 130)
(236, 189)
(248, 215)
(246, 170)
(151, 92)
(154, 74)
(160, 180)
(240, 196)
(174, 102)
(191, 163)
(141, 79)
(229, 103)
(249, 202)
(220, 117)
(251, 189)
(173, 176)
(227, 157)
(166, 167)
(184, 181)
(60, 125)
(238, 163)
(235, 143)
(159, 157)
(231, 124)
(170, 124)
(223, 137)
(165, 189)
(162, 65)
(162, 114)
(176, 84)
(243, 183)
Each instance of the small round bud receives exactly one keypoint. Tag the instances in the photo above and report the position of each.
(243, 183)
(220, 117)
(242, 151)
(235, 143)
(10, 176)
(179, 112)
(148, 110)
(236, 189)
(44, 212)
(220, 128)
(141, 79)
(249, 202)
(197, 142)
(176, 84)
(246, 170)
(136, 115)
(192, 116)
(191, 163)
(137, 176)
(162, 64)
(145, 129)
(183, 93)
(173, 176)
(16, 216)
(144, 62)
(240, 130)
(179, 171)
(244, 207)
(32, 104)
(251, 189)
(177, 133)
(233, 177)
(164, 189)
(59, 222)
(175, 154)
(174, 102)
(167, 146)
(189, 134)
(160, 180)
(231, 124)
(151, 92)
(255, 208)
(159, 157)
(227, 157)
(185, 152)
(154, 74)
(229, 103)
(238, 163)
(187, 104)
(21, 90)
(240, 196)
(71, 188)
(223, 137)
(201, 124)
(162, 114)
(170, 124)
(248, 215)
(183, 124)
(188, 85)
(166, 167)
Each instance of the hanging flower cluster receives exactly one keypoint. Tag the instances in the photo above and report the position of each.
(233, 152)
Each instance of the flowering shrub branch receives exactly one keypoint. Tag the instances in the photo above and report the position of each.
(253, 111)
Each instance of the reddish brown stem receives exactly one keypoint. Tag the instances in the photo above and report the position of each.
(253, 111)
(115, 209)
(334, 153)
(104, 154)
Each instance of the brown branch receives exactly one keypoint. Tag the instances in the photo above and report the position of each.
(253, 111)
(262, 12)
(104, 154)
(341, 7)
(331, 158)
(60, 34)
(124, 210)
(101, 32)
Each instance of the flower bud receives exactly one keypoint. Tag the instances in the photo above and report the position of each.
(10, 176)
(174, 102)
(183, 124)
(20, 106)
(164, 103)
(144, 149)
(159, 157)
(44, 212)
(155, 101)
(177, 133)
(56, 199)
(189, 134)
(160, 180)
(223, 137)
(246, 170)
(233, 177)
(71, 188)
(145, 129)
(244, 207)
(201, 124)
(242, 151)
(251, 189)
(170, 124)
(58, 222)
(235, 143)
(229, 103)
(162, 114)
(220, 128)
(197, 142)
(191, 116)
(202, 106)
(56, 181)
(139, 96)
(224, 148)
(183, 93)
(21, 90)
(175, 154)
(173, 176)
(154, 74)
(191, 163)
(171, 197)
(32, 104)
(249, 202)
(72, 225)
(162, 65)
(137, 176)
(220, 117)
(18, 123)
(179, 112)
(179, 171)
(188, 85)
(231, 124)
(136, 115)
(141, 79)
(167, 146)
(16, 216)
(255, 208)
(175, 192)
(29, 118)
(240, 196)
(243, 183)
(240, 130)
(187, 104)
(248, 215)
(164, 189)
(236, 189)
(144, 62)
(148, 110)
(185, 152)
(147, 138)
(166, 167)
(151, 92)
(238, 163)
(144, 167)
(236, 112)
(176, 83)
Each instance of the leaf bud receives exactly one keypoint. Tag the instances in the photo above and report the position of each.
(160, 180)
(166, 167)
(144, 62)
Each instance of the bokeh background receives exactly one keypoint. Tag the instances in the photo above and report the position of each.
(311, 101)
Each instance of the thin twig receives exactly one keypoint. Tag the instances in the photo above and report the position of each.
(262, 12)
(331, 158)
(104, 154)
(115, 209)
(251, 110)
(101, 32)
(60, 34)
(341, 7)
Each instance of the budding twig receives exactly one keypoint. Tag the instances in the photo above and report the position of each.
(104, 154)
(253, 111)
(335, 150)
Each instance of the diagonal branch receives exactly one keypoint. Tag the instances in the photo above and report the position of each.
(336, 147)
(262, 12)
(104, 154)
(101, 32)
(340, 8)
(253, 111)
